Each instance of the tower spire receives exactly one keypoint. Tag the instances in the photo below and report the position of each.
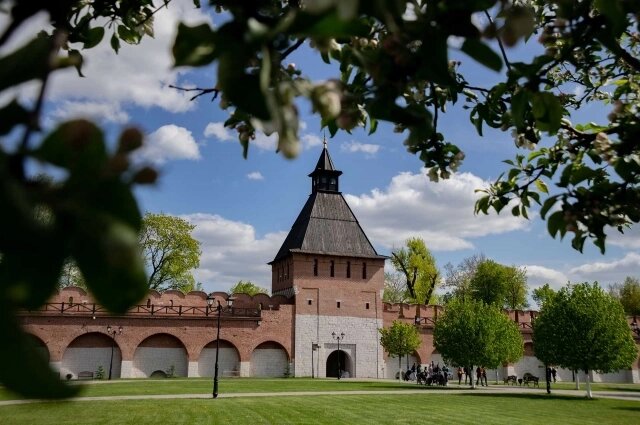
(325, 176)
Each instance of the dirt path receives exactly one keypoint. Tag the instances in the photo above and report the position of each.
(619, 395)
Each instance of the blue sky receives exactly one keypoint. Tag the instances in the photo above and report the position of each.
(244, 208)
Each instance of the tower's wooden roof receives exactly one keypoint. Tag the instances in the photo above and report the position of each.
(326, 225)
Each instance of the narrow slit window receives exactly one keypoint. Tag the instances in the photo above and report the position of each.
(338, 304)
(348, 269)
(364, 270)
(315, 267)
(366, 306)
(309, 302)
(332, 268)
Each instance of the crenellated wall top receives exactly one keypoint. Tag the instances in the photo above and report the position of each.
(434, 310)
(77, 295)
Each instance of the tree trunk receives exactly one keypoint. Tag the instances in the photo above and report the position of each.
(400, 367)
(589, 395)
(473, 384)
(577, 376)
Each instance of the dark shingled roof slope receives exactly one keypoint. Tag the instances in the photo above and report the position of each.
(326, 225)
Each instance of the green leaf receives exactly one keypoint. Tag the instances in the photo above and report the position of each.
(556, 223)
(195, 46)
(550, 202)
(482, 53)
(547, 111)
(27, 63)
(242, 89)
(75, 145)
(115, 43)
(25, 370)
(28, 286)
(373, 126)
(76, 57)
(106, 196)
(329, 25)
(519, 105)
(614, 11)
(93, 37)
(12, 115)
(107, 253)
(128, 35)
(542, 186)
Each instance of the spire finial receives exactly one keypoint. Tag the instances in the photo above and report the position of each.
(324, 138)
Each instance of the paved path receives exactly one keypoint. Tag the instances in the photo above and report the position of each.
(619, 395)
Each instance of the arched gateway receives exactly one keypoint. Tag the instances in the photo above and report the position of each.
(339, 361)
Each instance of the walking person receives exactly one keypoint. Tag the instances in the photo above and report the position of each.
(460, 376)
(479, 375)
(484, 376)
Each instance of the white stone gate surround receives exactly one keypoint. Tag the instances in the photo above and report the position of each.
(360, 343)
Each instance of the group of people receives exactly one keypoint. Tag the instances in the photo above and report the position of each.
(481, 375)
(432, 374)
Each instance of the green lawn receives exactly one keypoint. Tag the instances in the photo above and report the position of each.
(247, 385)
(433, 407)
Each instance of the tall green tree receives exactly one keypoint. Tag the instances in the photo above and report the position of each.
(399, 339)
(458, 278)
(471, 333)
(247, 287)
(542, 294)
(628, 293)
(516, 288)
(419, 269)
(500, 285)
(583, 328)
(71, 275)
(170, 251)
(395, 288)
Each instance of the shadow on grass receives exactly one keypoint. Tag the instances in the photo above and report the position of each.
(629, 409)
(529, 396)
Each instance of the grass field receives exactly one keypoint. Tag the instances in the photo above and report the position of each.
(433, 406)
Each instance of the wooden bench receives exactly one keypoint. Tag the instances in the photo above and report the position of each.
(511, 379)
(85, 375)
(529, 378)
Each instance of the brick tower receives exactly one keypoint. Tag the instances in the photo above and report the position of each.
(336, 276)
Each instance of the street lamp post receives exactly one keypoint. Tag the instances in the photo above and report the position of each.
(218, 307)
(112, 333)
(338, 338)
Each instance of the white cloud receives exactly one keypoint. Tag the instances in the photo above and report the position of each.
(604, 272)
(539, 275)
(354, 147)
(310, 141)
(169, 142)
(441, 213)
(232, 252)
(256, 175)
(264, 142)
(630, 239)
(99, 111)
(608, 272)
(137, 75)
(219, 131)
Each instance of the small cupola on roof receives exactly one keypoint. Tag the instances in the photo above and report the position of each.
(325, 177)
